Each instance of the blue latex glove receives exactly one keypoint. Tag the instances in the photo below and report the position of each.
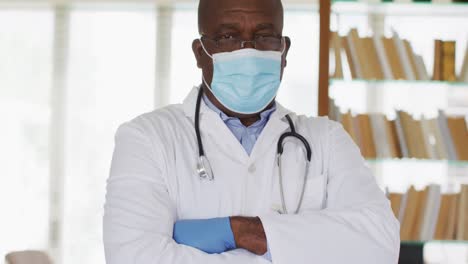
(208, 235)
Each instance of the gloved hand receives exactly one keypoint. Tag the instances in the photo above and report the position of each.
(208, 235)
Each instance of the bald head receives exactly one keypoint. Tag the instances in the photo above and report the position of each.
(239, 20)
(212, 12)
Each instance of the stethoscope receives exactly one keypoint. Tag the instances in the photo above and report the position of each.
(205, 171)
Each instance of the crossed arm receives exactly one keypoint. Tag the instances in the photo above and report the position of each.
(357, 224)
(249, 234)
(219, 235)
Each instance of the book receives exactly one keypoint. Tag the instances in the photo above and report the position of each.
(404, 57)
(448, 61)
(357, 133)
(440, 148)
(394, 145)
(428, 137)
(403, 204)
(444, 61)
(413, 136)
(409, 219)
(431, 212)
(446, 136)
(375, 69)
(335, 45)
(353, 54)
(445, 227)
(422, 204)
(393, 58)
(395, 203)
(463, 77)
(405, 137)
(362, 55)
(420, 140)
(452, 216)
(421, 68)
(462, 219)
(459, 135)
(402, 140)
(437, 72)
(442, 218)
(366, 138)
(351, 57)
(378, 125)
(383, 59)
(412, 59)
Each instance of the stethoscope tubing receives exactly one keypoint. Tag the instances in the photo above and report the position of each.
(204, 174)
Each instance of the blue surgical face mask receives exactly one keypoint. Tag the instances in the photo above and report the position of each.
(245, 81)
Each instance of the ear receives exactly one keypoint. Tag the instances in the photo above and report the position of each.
(285, 55)
(198, 52)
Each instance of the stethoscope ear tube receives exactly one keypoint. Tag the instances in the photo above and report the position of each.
(293, 134)
(204, 170)
(279, 153)
(201, 151)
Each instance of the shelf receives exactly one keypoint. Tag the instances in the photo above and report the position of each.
(400, 82)
(397, 175)
(452, 163)
(386, 96)
(400, 9)
(445, 242)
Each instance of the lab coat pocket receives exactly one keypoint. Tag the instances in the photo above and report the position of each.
(315, 192)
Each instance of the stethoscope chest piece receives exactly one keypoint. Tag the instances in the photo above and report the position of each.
(204, 170)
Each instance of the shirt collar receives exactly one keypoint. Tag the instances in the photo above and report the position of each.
(188, 106)
(264, 116)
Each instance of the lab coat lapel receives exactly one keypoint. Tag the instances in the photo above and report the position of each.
(268, 139)
(213, 130)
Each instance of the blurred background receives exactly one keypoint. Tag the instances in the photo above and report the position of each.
(72, 71)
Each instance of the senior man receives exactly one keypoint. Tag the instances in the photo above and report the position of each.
(201, 182)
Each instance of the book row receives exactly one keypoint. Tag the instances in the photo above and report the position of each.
(416, 1)
(441, 138)
(430, 215)
(381, 58)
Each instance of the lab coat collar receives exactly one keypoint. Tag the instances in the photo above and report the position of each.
(276, 125)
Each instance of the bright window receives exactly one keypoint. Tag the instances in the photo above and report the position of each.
(111, 77)
(25, 84)
(110, 81)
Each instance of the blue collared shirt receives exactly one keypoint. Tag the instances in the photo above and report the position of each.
(247, 136)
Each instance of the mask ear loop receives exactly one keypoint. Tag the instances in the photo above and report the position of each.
(203, 76)
(203, 46)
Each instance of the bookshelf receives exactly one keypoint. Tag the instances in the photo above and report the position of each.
(401, 9)
(415, 90)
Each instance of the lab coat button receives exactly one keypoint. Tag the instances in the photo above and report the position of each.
(252, 168)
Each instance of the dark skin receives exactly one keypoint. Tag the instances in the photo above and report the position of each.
(244, 19)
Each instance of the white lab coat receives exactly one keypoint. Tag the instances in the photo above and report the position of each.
(345, 217)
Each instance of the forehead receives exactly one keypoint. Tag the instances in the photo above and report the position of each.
(266, 7)
(215, 12)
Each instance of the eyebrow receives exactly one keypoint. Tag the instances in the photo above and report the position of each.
(264, 26)
(228, 26)
(237, 25)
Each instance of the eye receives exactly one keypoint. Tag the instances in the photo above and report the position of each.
(263, 36)
(226, 36)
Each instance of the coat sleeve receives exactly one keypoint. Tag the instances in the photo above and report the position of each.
(139, 214)
(356, 225)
